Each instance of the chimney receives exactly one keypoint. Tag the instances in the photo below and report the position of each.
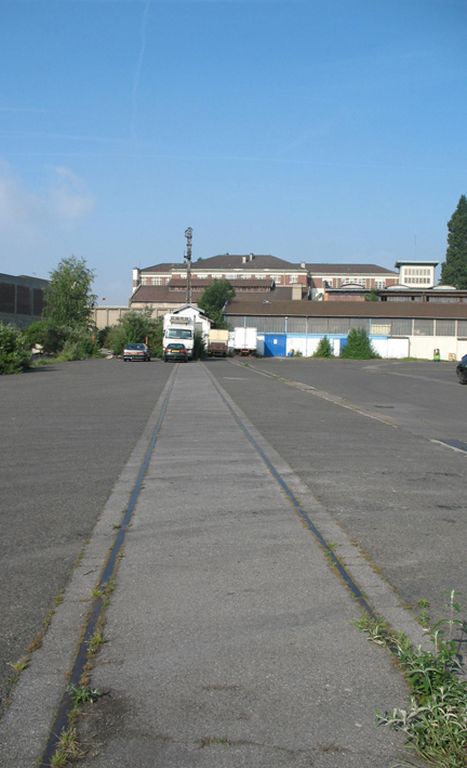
(303, 265)
(244, 259)
(296, 292)
(136, 278)
(251, 257)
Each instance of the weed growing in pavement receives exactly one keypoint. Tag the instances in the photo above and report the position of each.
(104, 590)
(435, 722)
(209, 741)
(82, 694)
(20, 665)
(424, 616)
(67, 748)
(95, 642)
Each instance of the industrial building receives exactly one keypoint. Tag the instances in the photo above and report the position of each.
(21, 299)
(397, 330)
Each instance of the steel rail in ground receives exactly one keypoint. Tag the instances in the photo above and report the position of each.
(98, 604)
(303, 514)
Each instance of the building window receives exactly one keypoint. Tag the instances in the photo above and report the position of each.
(445, 328)
(423, 327)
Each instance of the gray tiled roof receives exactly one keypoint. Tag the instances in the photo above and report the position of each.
(165, 267)
(236, 261)
(238, 306)
(348, 269)
(157, 294)
(231, 261)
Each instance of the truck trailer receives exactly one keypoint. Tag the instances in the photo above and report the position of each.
(245, 340)
(218, 341)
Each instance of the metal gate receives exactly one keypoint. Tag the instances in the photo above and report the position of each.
(275, 344)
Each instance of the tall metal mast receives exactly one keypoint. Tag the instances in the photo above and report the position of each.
(189, 239)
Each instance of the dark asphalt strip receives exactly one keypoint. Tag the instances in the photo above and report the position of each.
(340, 568)
(66, 704)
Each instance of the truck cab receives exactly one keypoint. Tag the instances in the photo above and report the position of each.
(179, 329)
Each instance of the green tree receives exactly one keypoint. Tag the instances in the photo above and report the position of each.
(324, 348)
(14, 353)
(137, 326)
(454, 269)
(214, 299)
(199, 347)
(68, 297)
(359, 346)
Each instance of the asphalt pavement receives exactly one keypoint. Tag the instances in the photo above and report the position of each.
(229, 638)
(363, 436)
(67, 431)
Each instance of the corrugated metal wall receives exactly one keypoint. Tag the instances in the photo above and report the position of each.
(382, 326)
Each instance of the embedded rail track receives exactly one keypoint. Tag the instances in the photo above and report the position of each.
(285, 482)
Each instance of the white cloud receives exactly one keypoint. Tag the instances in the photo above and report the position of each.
(69, 199)
(17, 205)
(63, 199)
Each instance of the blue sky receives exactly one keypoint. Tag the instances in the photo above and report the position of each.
(320, 131)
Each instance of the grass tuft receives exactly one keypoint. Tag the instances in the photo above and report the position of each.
(95, 642)
(68, 748)
(435, 721)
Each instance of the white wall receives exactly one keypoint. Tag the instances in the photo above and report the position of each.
(389, 348)
(449, 347)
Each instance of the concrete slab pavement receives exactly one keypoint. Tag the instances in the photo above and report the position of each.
(229, 638)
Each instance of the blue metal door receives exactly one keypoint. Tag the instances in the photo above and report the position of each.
(275, 344)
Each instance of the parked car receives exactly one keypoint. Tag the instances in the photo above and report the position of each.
(136, 352)
(175, 351)
(461, 370)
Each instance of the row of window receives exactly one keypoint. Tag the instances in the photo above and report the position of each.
(335, 282)
(20, 299)
(366, 282)
(376, 326)
(417, 271)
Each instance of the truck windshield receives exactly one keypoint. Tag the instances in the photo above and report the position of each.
(179, 333)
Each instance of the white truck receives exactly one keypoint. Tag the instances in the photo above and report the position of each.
(179, 329)
(245, 340)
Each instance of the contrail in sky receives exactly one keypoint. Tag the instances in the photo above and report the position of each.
(139, 66)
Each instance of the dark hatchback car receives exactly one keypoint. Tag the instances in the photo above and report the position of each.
(461, 370)
(176, 351)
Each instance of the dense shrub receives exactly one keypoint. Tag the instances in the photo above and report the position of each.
(359, 346)
(199, 347)
(14, 353)
(50, 336)
(103, 336)
(324, 348)
(136, 327)
(80, 344)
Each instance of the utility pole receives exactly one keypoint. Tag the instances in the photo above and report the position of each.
(189, 239)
